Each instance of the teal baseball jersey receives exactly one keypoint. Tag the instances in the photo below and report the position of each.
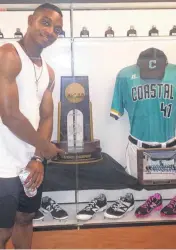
(150, 104)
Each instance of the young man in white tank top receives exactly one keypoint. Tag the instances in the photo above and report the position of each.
(26, 122)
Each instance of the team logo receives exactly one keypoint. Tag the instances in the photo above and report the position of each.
(75, 93)
(152, 64)
(134, 77)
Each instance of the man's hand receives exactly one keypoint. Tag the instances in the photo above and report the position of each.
(51, 151)
(36, 175)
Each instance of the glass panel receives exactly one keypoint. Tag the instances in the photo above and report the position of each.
(116, 180)
(101, 70)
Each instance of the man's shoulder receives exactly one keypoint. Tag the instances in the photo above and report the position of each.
(9, 52)
(9, 57)
(8, 48)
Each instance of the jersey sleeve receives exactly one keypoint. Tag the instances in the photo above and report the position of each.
(117, 106)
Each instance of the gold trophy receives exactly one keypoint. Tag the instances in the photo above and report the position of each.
(75, 125)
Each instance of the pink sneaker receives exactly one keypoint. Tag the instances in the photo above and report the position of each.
(154, 202)
(169, 209)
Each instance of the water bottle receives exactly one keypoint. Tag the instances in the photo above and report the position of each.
(23, 176)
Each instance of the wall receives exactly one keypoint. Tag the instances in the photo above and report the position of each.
(19, 19)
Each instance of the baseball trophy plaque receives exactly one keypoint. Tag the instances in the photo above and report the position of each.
(62, 33)
(172, 32)
(109, 32)
(132, 31)
(153, 31)
(18, 34)
(1, 35)
(84, 32)
(75, 125)
(156, 166)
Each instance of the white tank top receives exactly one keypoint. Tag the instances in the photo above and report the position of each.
(15, 153)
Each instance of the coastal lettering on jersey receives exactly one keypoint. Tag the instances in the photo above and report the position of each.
(151, 91)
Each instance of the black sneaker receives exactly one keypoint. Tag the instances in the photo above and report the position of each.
(39, 215)
(169, 209)
(98, 204)
(49, 205)
(119, 208)
(153, 203)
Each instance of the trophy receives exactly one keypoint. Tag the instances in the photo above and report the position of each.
(156, 166)
(131, 31)
(84, 32)
(75, 124)
(1, 35)
(172, 32)
(62, 33)
(153, 31)
(109, 32)
(18, 34)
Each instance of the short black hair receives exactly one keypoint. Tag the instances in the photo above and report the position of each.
(48, 6)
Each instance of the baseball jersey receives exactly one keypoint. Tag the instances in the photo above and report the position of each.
(150, 104)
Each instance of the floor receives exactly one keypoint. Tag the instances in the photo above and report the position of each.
(143, 237)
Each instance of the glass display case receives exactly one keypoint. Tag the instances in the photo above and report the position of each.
(94, 184)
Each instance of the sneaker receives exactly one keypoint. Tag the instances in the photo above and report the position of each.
(120, 207)
(51, 206)
(170, 208)
(98, 204)
(39, 215)
(154, 202)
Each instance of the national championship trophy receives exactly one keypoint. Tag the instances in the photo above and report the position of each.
(84, 32)
(62, 33)
(18, 34)
(1, 35)
(153, 31)
(156, 166)
(172, 32)
(109, 32)
(132, 31)
(75, 125)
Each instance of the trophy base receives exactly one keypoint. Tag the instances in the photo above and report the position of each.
(89, 152)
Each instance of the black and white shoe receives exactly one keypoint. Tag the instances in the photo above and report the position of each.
(38, 215)
(50, 206)
(120, 207)
(98, 204)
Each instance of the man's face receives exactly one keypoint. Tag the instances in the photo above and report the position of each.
(45, 26)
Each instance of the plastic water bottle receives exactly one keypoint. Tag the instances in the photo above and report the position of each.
(28, 191)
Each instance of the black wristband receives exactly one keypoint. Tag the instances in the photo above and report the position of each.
(37, 158)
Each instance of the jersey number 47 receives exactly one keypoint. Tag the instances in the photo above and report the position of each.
(166, 109)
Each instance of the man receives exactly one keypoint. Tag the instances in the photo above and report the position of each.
(26, 111)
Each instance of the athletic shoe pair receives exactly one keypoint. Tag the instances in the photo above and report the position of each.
(154, 203)
(48, 205)
(99, 204)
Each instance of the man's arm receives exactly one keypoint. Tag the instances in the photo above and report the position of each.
(18, 124)
(46, 110)
(45, 130)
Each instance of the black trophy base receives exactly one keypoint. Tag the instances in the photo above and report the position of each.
(88, 153)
